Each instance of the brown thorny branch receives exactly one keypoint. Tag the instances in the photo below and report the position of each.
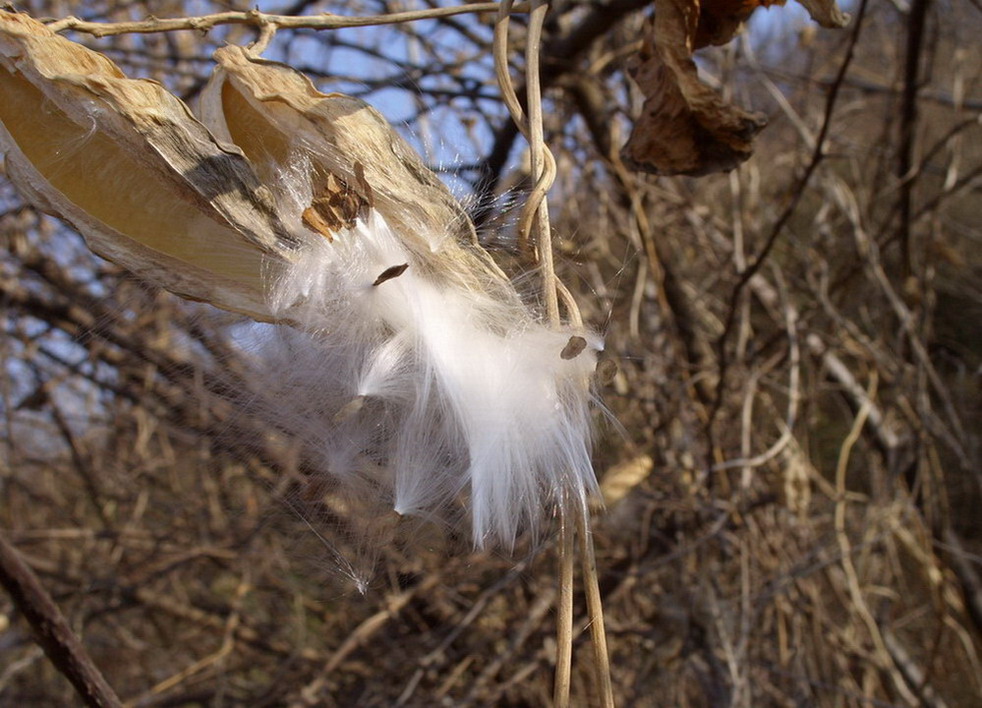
(53, 632)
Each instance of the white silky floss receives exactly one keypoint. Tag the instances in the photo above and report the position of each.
(427, 392)
(431, 391)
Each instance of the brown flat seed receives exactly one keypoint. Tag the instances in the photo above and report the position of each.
(390, 273)
(321, 220)
(574, 347)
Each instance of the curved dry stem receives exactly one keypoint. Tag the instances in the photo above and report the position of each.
(267, 30)
(595, 610)
(535, 225)
(537, 199)
(564, 614)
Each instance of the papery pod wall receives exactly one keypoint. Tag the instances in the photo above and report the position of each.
(128, 165)
(325, 154)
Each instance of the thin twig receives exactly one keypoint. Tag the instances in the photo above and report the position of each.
(539, 161)
(535, 222)
(797, 192)
(859, 603)
(794, 399)
(52, 631)
(595, 610)
(260, 20)
(908, 128)
(217, 657)
(564, 613)
(310, 694)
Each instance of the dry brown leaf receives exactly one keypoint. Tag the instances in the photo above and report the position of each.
(127, 164)
(719, 20)
(685, 127)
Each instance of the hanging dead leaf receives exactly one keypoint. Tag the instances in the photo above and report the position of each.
(685, 127)
(127, 164)
(719, 20)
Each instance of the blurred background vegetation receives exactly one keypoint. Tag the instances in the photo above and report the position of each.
(795, 477)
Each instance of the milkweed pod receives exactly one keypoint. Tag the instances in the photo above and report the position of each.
(305, 143)
(129, 166)
(426, 383)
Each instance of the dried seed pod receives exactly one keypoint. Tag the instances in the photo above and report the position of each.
(465, 392)
(414, 374)
(129, 166)
(270, 110)
(327, 155)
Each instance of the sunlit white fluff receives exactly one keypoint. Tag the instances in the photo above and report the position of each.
(433, 396)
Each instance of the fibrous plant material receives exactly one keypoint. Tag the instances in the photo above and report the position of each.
(129, 166)
(464, 392)
(723, 573)
(685, 127)
(305, 144)
(413, 373)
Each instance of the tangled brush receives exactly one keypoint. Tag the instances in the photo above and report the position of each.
(407, 363)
